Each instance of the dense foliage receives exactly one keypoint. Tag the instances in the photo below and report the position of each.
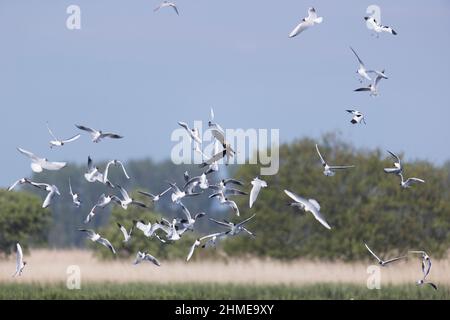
(22, 220)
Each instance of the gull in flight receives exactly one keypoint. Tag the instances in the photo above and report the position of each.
(58, 142)
(155, 198)
(144, 256)
(94, 175)
(75, 196)
(329, 171)
(39, 164)
(310, 205)
(171, 229)
(214, 165)
(398, 168)
(20, 181)
(225, 201)
(126, 234)
(222, 187)
(422, 282)
(214, 237)
(200, 181)
(177, 194)
(194, 134)
(257, 185)
(373, 87)
(382, 262)
(127, 200)
(363, 72)
(219, 134)
(52, 192)
(149, 229)
(189, 221)
(20, 264)
(98, 135)
(95, 237)
(409, 182)
(307, 22)
(377, 27)
(167, 4)
(102, 202)
(358, 117)
(426, 262)
(235, 229)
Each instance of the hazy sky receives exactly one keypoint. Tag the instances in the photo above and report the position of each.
(138, 72)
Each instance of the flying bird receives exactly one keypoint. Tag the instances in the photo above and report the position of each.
(167, 4)
(39, 164)
(52, 192)
(329, 171)
(235, 228)
(75, 196)
(126, 234)
(382, 262)
(398, 168)
(377, 27)
(95, 237)
(409, 182)
(227, 202)
(155, 198)
(179, 194)
(373, 87)
(98, 135)
(189, 221)
(426, 262)
(363, 72)
(307, 22)
(193, 133)
(257, 185)
(127, 200)
(358, 117)
(19, 182)
(58, 142)
(144, 256)
(214, 237)
(20, 264)
(310, 205)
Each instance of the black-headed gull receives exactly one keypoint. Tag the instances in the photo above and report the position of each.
(155, 198)
(426, 262)
(39, 164)
(199, 181)
(171, 229)
(126, 234)
(93, 173)
(227, 202)
(52, 192)
(310, 205)
(398, 168)
(188, 222)
(409, 182)
(307, 22)
(358, 117)
(98, 135)
(382, 262)
(20, 264)
(257, 185)
(179, 194)
(373, 87)
(58, 142)
(198, 241)
(145, 256)
(329, 171)
(377, 27)
(127, 200)
(193, 133)
(149, 229)
(102, 202)
(363, 72)
(235, 228)
(95, 237)
(167, 4)
(75, 196)
(19, 182)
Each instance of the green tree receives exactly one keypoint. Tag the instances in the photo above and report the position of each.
(23, 220)
(362, 204)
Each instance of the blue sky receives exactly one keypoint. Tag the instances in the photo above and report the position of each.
(138, 72)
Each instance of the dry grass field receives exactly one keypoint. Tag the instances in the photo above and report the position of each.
(50, 266)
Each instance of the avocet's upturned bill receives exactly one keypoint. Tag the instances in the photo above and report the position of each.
(306, 23)
(39, 164)
(310, 205)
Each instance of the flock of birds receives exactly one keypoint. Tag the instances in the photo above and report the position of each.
(222, 190)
